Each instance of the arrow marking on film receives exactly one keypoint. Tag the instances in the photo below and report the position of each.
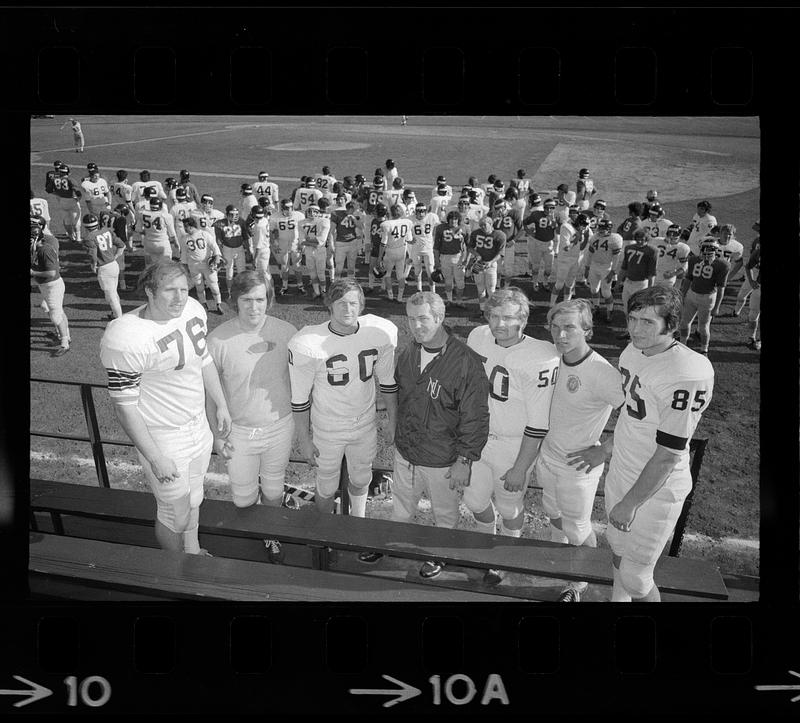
(36, 692)
(405, 691)
(783, 687)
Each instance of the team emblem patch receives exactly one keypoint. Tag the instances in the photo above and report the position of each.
(573, 383)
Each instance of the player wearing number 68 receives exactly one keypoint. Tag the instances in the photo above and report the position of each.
(667, 388)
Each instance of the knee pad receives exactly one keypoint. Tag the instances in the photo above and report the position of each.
(271, 488)
(246, 500)
(174, 514)
(509, 509)
(327, 486)
(576, 532)
(637, 579)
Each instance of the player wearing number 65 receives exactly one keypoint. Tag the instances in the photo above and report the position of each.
(522, 373)
(667, 388)
(332, 367)
(159, 373)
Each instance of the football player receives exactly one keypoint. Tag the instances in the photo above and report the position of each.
(634, 221)
(324, 181)
(122, 191)
(170, 185)
(49, 176)
(202, 257)
(521, 372)
(183, 207)
(637, 270)
(440, 201)
(752, 272)
(105, 249)
(394, 194)
(375, 235)
(650, 199)
(77, 134)
(391, 171)
(122, 224)
(159, 374)
(448, 189)
(746, 288)
(523, 183)
(395, 237)
(731, 251)
(332, 367)
(543, 225)
(96, 192)
(602, 264)
(137, 190)
(598, 212)
(507, 221)
(586, 390)
(307, 195)
(347, 232)
(497, 191)
(584, 190)
(248, 200)
(673, 255)
(233, 238)
(258, 228)
(68, 194)
(568, 256)
(564, 199)
(476, 190)
(702, 223)
(314, 233)
(157, 230)
(707, 275)
(41, 209)
(667, 388)
(449, 254)
(252, 355)
(191, 189)
(485, 246)
(655, 224)
(264, 187)
(46, 272)
(423, 226)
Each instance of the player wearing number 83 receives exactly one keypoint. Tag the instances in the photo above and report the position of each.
(667, 388)
(159, 372)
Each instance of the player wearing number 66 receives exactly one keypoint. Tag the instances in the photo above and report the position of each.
(667, 388)
(522, 372)
(159, 373)
(332, 368)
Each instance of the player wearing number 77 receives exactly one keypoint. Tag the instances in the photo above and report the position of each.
(159, 373)
(521, 372)
(667, 388)
(332, 368)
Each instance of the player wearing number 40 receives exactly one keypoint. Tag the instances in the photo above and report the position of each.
(521, 372)
(667, 388)
(331, 367)
(159, 373)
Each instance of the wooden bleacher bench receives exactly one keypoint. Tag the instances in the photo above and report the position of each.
(418, 542)
(174, 575)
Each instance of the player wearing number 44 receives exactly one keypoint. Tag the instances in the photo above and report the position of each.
(159, 373)
(521, 372)
(331, 367)
(667, 388)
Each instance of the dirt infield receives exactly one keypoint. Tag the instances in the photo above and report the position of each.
(684, 159)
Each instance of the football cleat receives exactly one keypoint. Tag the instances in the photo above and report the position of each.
(370, 558)
(275, 552)
(569, 594)
(493, 576)
(431, 569)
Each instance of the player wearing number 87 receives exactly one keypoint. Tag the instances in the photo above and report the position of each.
(521, 372)
(104, 249)
(331, 367)
(159, 373)
(667, 388)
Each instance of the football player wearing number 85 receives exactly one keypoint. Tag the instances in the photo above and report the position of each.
(667, 388)
(159, 373)
(331, 367)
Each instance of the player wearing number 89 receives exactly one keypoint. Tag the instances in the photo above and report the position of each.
(331, 367)
(200, 253)
(521, 372)
(104, 249)
(586, 391)
(159, 371)
(706, 277)
(667, 388)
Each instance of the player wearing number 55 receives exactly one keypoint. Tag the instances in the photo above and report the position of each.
(667, 388)
(159, 373)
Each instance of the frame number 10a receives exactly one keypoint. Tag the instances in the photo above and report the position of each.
(94, 691)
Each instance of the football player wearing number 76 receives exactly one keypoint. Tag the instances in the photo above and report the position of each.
(667, 388)
(159, 373)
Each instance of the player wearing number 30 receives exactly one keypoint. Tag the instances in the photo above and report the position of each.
(201, 254)
(521, 372)
(667, 388)
(159, 372)
(331, 367)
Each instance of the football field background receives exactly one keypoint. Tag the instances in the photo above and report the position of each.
(685, 159)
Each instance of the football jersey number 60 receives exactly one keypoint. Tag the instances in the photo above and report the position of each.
(366, 365)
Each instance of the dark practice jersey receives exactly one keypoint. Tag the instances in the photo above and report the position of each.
(628, 226)
(707, 277)
(346, 224)
(486, 245)
(544, 229)
(639, 262)
(447, 240)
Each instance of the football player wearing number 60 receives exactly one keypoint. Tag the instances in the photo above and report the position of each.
(331, 367)
(521, 372)
(667, 388)
(159, 373)
(104, 248)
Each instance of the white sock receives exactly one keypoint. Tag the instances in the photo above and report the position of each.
(618, 592)
(358, 505)
(191, 543)
(487, 528)
(509, 533)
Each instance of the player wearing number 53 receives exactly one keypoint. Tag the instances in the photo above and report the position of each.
(159, 373)
(667, 388)
(332, 367)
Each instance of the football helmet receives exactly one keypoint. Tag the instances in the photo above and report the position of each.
(326, 170)
(313, 212)
(440, 179)
(581, 220)
(600, 204)
(184, 174)
(397, 183)
(63, 169)
(408, 193)
(156, 204)
(170, 183)
(381, 210)
(709, 248)
(549, 204)
(215, 263)
(463, 204)
(674, 231)
(604, 225)
(263, 175)
(473, 266)
(535, 199)
(437, 276)
(379, 271)
(263, 201)
(656, 209)
(441, 189)
(652, 194)
(148, 191)
(90, 222)
(257, 212)
(359, 178)
(37, 226)
(246, 188)
(231, 213)
(310, 182)
(583, 173)
(180, 194)
(377, 181)
(207, 200)
(420, 210)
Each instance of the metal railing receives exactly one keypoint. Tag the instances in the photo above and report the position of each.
(697, 448)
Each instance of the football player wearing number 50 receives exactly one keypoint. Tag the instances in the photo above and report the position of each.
(331, 367)
(104, 248)
(159, 373)
(667, 388)
(521, 372)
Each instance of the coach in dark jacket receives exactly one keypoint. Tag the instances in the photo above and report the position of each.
(442, 417)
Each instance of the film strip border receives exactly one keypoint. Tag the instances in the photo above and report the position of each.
(296, 659)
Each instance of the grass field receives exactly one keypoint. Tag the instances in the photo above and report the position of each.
(684, 159)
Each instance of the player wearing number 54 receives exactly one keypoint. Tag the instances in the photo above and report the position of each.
(159, 373)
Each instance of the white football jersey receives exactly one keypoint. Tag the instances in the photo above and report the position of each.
(306, 197)
(260, 232)
(267, 189)
(245, 204)
(287, 228)
(585, 394)
(438, 205)
(701, 227)
(669, 257)
(340, 370)
(158, 364)
(156, 226)
(40, 207)
(422, 230)
(95, 193)
(569, 247)
(656, 229)
(395, 234)
(121, 192)
(521, 382)
(137, 190)
(731, 251)
(665, 396)
(198, 246)
(314, 232)
(181, 211)
(604, 252)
